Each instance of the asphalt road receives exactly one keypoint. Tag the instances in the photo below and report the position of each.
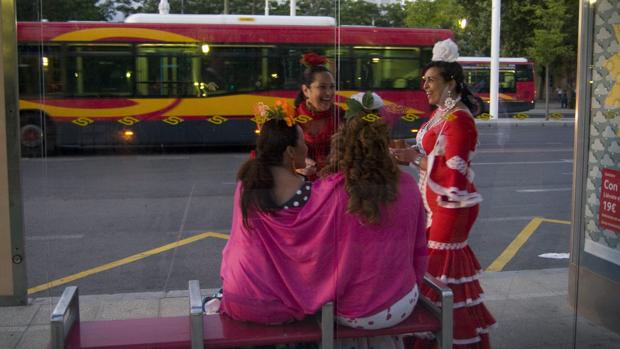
(89, 219)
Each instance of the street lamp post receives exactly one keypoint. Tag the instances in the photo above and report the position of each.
(495, 28)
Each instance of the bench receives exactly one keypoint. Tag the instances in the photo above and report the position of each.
(200, 331)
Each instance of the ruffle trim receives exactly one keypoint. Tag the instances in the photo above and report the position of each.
(476, 339)
(456, 198)
(467, 303)
(462, 280)
(436, 245)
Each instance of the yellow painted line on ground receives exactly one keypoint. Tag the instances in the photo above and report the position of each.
(500, 262)
(126, 260)
(559, 221)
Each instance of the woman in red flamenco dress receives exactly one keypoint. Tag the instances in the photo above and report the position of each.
(317, 114)
(445, 146)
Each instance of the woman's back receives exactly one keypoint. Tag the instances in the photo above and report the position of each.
(377, 264)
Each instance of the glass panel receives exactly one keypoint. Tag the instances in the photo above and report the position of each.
(134, 135)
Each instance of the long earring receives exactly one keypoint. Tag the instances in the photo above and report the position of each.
(450, 102)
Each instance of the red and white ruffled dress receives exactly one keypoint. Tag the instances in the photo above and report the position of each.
(452, 205)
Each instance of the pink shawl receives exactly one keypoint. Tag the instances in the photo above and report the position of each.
(290, 262)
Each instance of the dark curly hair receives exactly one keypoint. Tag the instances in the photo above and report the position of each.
(454, 71)
(255, 174)
(360, 150)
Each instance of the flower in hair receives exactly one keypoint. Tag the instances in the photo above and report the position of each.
(366, 103)
(312, 59)
(280, 111)
(445, 51)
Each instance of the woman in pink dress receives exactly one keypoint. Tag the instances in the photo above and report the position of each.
(355, 237)
(445, 146)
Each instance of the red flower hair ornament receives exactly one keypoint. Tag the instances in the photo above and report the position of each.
(312, 59)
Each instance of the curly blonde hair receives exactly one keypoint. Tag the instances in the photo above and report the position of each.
(360, 150)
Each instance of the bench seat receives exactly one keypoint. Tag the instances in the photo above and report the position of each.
(199, 331)
(421, 320)
(160, 333)
(220, 331)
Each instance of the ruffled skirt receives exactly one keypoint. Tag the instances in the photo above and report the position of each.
(452, 261)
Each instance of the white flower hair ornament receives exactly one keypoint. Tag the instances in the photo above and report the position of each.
(445, 51)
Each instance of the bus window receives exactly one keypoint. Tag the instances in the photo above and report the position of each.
(41, 65)
(169, 70)
(507, 81)
(524, 73)
(386, 68)
(100, 70)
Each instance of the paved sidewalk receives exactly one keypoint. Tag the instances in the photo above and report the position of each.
(531, 308)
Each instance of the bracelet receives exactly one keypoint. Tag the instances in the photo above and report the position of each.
(418, 159)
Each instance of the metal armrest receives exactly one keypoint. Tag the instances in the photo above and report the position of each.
(195, 315)
(65, 315)
(327, 326)
(443, 312)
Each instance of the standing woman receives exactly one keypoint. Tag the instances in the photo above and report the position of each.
(315, 101)
(445, 145)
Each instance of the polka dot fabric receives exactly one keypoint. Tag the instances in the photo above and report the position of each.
(302, 195)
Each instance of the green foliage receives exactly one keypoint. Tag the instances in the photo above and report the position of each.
(358, 12)
(392, 15)
(59, 10)
(435, 14)
(548, 41)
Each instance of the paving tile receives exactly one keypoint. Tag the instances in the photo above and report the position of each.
(173, 307)
(43, 315)
(35, 337)
(18, 316)
(133, 309)
(10, 336)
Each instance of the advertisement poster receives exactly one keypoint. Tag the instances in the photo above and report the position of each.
(602, 209)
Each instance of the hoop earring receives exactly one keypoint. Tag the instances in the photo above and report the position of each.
(450, 102)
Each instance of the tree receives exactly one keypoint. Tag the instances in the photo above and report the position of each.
(445, 14)
(547, 45)
(358, 12)
(59, 10)
(392, 15)
(434, 14)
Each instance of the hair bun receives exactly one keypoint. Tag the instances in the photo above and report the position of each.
(312, 59)
(445, 51)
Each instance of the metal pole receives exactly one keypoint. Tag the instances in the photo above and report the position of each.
(266, 7)
(225, 7)
(293, 7)
(495, 29)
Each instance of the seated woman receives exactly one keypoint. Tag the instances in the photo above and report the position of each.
(355, 236)
(381, 254)
(273, 269)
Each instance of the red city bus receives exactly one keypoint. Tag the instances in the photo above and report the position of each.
(517, 88)
(164, 80)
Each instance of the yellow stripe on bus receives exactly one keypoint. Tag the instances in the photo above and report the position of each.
(137, 33)
(241, 104)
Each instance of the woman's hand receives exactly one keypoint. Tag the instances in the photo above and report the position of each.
(404, 154)
(309, 170)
